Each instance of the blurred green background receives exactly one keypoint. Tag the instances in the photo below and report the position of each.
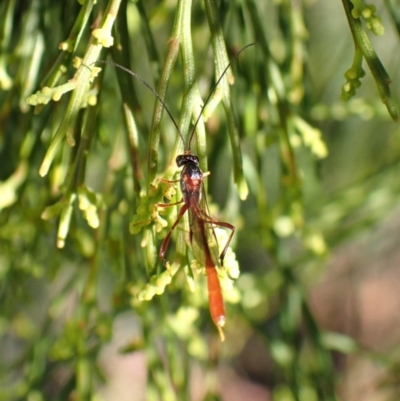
(87, 310)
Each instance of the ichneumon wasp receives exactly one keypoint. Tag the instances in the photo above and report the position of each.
(202, 235)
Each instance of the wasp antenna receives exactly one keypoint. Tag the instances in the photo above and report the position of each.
(140, 79)
(213, 89)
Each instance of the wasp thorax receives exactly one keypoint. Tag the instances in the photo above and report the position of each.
(185, 159)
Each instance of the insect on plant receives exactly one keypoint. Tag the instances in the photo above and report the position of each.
(202, 235)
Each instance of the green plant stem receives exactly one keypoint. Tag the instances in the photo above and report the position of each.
(31, 67)
(298, 34)
(326, 381)
(378, 71)
(130, 104)
(393, 7)
(60, 66)
(79, 84)
(221, 61)
(88, 133)
(155, 132)
(149, 41)
(66, 127)
(5, 35)
(290, 179)
(191, 102)
(7, 25)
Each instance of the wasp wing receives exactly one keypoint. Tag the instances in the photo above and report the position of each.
(202, 234)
